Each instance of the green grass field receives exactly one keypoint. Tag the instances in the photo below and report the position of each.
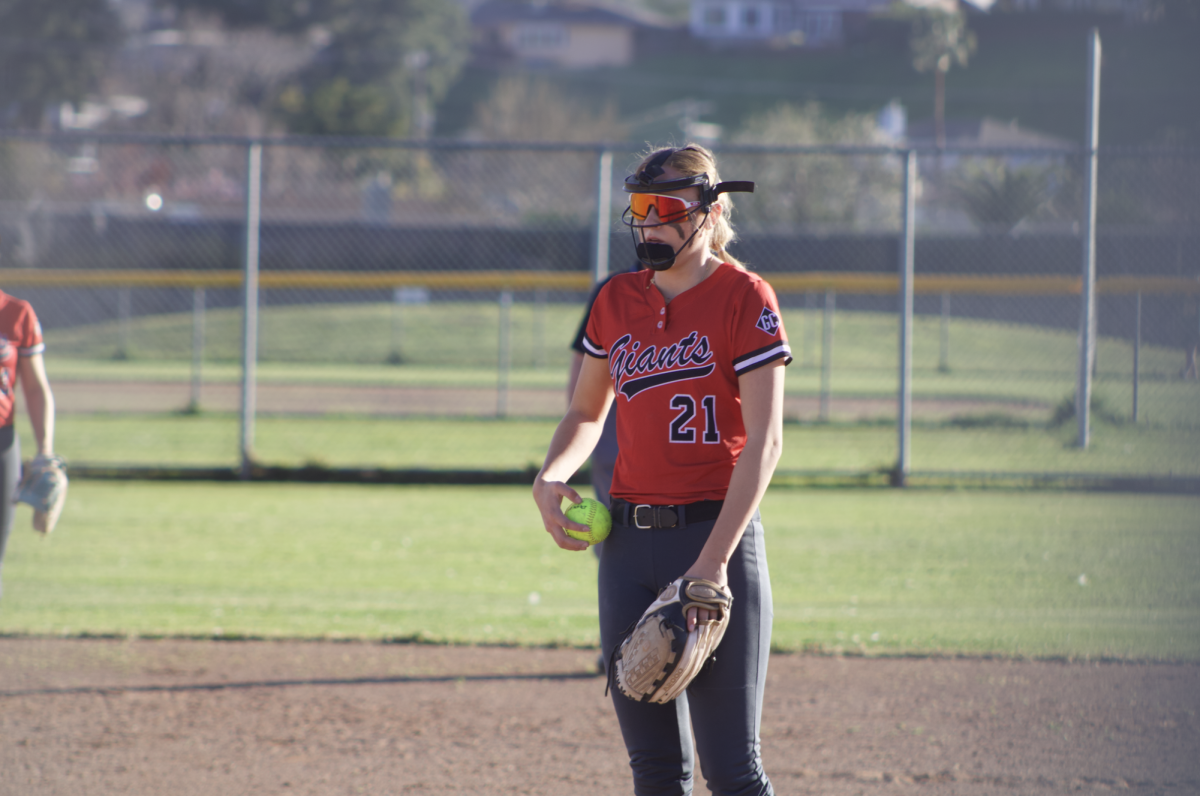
(455, 443)
(441, 345)
(1024, 366)
(990, 411)
(1037, 574)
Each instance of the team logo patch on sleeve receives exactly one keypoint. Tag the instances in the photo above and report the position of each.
(768, 321)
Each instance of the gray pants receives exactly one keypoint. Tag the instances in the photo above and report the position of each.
(10, 475)
(602, 474)
(723, 705)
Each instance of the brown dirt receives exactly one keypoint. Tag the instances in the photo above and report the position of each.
(141, 717)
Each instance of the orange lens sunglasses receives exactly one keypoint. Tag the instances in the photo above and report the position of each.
(669, 208)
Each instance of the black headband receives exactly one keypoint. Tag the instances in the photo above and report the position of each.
(643, 181)
(708, 194)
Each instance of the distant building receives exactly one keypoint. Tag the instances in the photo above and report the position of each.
(1133, 9)
(981, 132)
(804, 23)
(1006, 148)
(986, 132)
(570, 35)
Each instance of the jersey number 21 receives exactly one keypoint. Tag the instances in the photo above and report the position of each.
(686, 404)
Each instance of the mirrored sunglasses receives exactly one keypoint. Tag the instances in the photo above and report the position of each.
(669, 208)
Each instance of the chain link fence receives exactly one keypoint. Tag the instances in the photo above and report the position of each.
(413, 295)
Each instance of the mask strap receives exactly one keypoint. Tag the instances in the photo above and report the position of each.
(654, 168)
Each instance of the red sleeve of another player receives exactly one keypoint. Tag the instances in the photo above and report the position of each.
(29, 333)
(758, 334)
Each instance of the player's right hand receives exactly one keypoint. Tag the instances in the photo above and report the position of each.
(548, 495)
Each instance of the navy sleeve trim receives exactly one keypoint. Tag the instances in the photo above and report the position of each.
(577, 343)
(756, 359)
(590, 347)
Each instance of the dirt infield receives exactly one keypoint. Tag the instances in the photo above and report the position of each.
(143, 717)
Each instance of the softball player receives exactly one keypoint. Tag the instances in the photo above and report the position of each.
(604, 456)
(21, 350)
(692, 352)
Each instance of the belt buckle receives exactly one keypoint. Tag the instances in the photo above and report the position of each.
(636, 522)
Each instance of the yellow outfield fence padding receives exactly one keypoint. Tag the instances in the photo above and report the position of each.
(325, 280)
(811, 281)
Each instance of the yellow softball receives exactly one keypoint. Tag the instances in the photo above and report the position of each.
(594, 515)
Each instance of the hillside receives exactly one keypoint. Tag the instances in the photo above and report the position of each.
(1031, 68)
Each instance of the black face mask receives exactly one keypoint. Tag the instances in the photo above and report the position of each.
(656, 256)
(659, 256)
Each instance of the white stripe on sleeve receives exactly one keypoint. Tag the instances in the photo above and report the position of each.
(780, 349)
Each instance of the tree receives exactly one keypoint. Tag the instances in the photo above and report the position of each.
(531, 184)
(938, 40)
(208, 81)
(50, 53)
(384, 62)
(998, 196)
(847, 190)
(525, 109)
(1172, 11)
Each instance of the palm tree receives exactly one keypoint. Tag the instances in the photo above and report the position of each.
(939, 39)
(997, 196)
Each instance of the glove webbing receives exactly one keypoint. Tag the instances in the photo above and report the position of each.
(720, 604)
(677, 646)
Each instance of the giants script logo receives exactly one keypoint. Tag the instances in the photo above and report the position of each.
(635, 369)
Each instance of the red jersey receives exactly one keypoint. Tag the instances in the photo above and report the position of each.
(20, 336)
(675, 370)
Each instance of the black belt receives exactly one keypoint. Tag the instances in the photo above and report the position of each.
(642, 515)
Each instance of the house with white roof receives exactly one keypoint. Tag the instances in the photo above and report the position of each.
(570, 35)
(798, 23)
(807, 23)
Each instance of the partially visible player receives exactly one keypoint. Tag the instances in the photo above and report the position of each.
(1188, 331)
(693, 352)
(21, 363)
(604, 455)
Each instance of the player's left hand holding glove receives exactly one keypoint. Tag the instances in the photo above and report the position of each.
(44, 487)
(658, 657)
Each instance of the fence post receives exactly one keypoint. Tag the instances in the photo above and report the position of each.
(504, 355)
(198, 305)
(124, 312)
(396, 354)
(810, 329)
(827, 353)
(539, 328)
(944, 346)
(603, 215)
(1087, 321)
(907, 262)
(1137, 350)
(250, 305)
